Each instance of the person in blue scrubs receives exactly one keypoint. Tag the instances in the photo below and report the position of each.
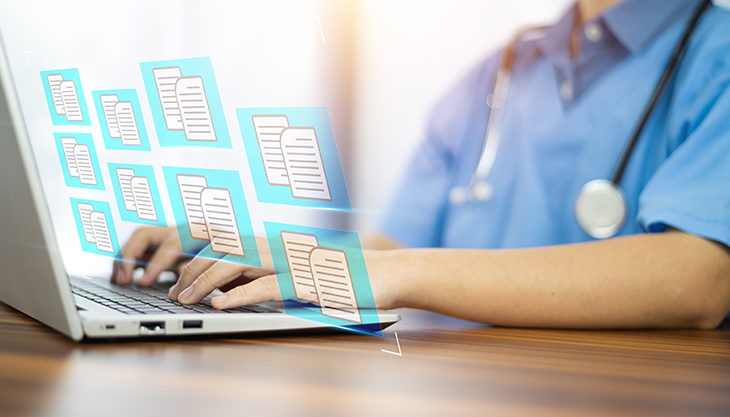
(520, 258)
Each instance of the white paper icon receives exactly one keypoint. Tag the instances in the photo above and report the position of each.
(127, 123)
(96, 229)
(54, 81)
(304, 165)
(191, 188)
(194, 109)
(220, 220)
(268, 132)
(143, 199)
(84, 164)
(210, 214)
(297, 247)
(165, 80)
(184, 104)
(85, 211)
(71, 101)
(125, 175)
(68, 144)
(108, 102)
(137, 194)
(321, 276)
(333, 283)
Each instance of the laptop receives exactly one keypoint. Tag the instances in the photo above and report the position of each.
(33, 278)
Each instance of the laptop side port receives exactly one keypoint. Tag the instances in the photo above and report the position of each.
(192, 324)
(151, 328)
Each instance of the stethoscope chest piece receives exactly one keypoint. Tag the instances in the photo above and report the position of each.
(600, 209)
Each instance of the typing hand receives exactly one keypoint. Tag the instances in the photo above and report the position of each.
(242, 284)
(157, 248)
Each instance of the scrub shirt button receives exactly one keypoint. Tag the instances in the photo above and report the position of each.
(566, 90)
(593, 31)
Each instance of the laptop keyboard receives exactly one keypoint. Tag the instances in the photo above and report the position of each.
(149, 300)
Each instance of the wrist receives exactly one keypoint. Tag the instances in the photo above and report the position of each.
(390, 283)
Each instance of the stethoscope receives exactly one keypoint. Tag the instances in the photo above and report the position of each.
(600, 208)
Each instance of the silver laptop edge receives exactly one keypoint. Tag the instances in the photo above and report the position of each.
(32, 276)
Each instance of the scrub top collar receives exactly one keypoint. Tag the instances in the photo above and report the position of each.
(620, 31)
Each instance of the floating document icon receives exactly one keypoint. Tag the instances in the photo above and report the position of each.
(65, 97)
(120, 120)
(184, 104)
(78, 160)
(321, 276)
(210, 214)
(137, 194)
(292, 157)
(95, 227)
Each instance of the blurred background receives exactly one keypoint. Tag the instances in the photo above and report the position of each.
(379, 67)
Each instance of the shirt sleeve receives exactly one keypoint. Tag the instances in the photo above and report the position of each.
(691, 189)
(414, 217)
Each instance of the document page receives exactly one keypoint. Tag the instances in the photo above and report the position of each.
(304, 165)
(127, 123)
(54, 81)
(268, 132)
(165, 80)
(108, 102)
(194, 110)
(297, 247)
(84, 164)
(71, 101)
(85, 211)
(125, 175)
(68, 145)
(191, 188)
(143, 198)
(101, 232)
(220, 221)
(333, 283)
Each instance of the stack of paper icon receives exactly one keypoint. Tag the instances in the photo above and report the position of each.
(210, 215)
(65, 98)
(78, 160)
(95, 227)
(292, 157)
(321, 276)
(184, 104)
(137, 194)
(120, 119)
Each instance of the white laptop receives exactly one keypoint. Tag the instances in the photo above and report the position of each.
(34, 280)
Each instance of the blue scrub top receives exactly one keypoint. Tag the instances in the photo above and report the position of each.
(566, 122)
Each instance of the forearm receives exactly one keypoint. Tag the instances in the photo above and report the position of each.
(661, 280)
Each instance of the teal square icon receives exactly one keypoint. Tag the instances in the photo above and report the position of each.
(79, 163)
(95, 227)
(211, 214)
(322, 276)
(121, 120)
(185, 103)
(137, 195)
(293, 157)
(65, 97)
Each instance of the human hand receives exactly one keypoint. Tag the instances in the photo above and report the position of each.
(157, 248)
(242, 284)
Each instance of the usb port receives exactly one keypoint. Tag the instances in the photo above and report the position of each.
(192, 324)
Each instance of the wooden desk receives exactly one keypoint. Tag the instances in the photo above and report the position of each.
(448, 368)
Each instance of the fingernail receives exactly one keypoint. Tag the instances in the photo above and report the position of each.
(220, 301)
(183, 297)
(172, 290)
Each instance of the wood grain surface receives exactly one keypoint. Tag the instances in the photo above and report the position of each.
(448, 368)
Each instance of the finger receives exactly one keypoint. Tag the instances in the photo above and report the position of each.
(165, 257)
(219, 274)
(134, 250)
(257, 291)
(189, 274)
